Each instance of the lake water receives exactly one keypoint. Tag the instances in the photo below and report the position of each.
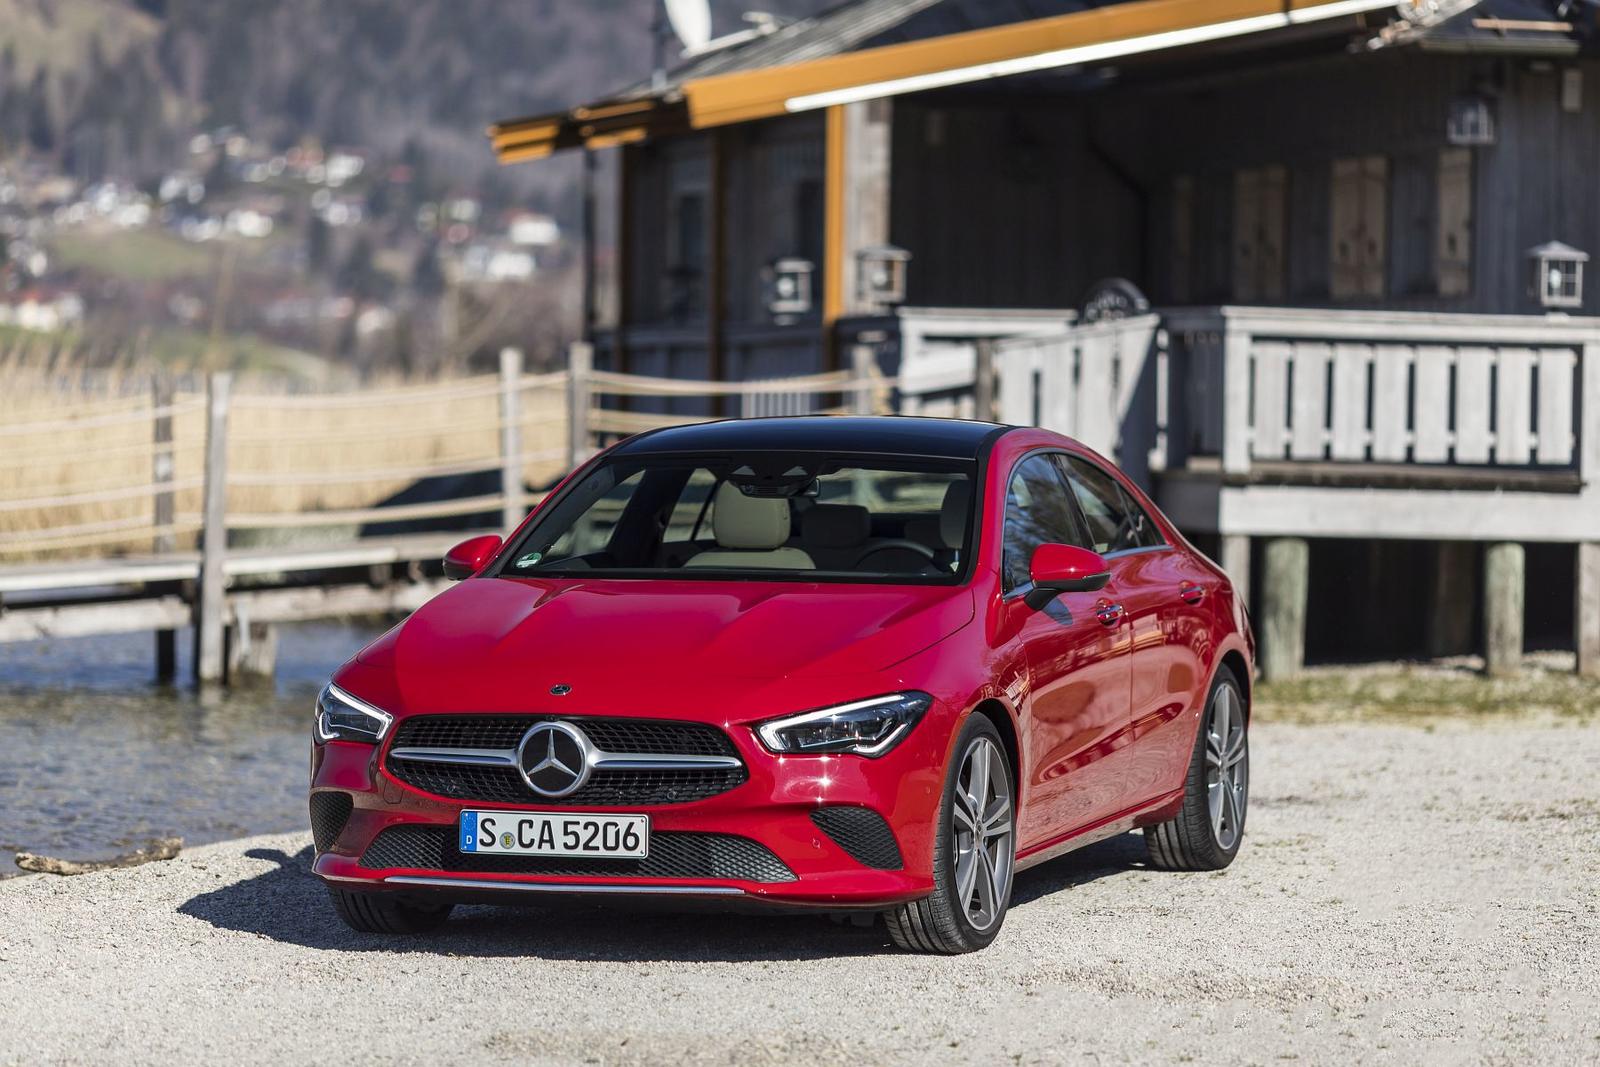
(95, 758)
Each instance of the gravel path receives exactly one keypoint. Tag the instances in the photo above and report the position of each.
(1405, 895)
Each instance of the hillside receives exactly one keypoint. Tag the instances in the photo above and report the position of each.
(117, 87)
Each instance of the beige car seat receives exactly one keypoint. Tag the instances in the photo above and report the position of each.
(750, 532)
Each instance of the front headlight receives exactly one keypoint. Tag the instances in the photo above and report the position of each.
(342, 717)
(862, 728)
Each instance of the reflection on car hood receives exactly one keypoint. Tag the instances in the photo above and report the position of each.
(500, 644)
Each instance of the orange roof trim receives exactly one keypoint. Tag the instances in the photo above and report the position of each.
(1088, 36)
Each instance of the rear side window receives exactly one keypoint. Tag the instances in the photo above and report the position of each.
(1039, 511)
(1116, 522)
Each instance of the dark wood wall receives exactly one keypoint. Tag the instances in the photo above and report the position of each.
(1008, 197)
(1026, 202)
(1005, 203)
(772, 202)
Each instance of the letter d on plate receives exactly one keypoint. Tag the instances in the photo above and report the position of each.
(469, 831)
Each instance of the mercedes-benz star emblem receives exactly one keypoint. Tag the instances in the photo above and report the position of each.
(554, 759)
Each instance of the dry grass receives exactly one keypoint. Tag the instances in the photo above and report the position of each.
(289, 455)
(1443, 690)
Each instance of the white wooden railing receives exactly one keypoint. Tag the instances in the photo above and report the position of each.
(1320, 386)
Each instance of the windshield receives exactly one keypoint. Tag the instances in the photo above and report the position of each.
(764, 516)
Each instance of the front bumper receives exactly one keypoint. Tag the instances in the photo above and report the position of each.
(800, 831)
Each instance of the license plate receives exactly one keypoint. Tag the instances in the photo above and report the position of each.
(550, 833)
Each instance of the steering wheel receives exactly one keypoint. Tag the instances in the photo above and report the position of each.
(899, 542)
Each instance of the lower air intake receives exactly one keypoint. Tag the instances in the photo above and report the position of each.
(672, 855)
(863, 833)
(329, 812)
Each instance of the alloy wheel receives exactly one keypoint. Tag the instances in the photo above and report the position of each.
(1227, 767)
(981, 821)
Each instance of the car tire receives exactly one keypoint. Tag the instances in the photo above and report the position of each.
(957, 918)
(1207, 832)
(385, 913)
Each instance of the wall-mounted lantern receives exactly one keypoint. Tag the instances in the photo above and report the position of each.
(787, 286)
(881, 275)
(1471, 121)
(1557, 280)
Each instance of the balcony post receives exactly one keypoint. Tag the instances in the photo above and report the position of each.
(1587, 610)
(1504, 566)
(1285, 584)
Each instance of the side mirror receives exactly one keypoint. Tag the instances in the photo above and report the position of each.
(1057, 569)
(469, 557)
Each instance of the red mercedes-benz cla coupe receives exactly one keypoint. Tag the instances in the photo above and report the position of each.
(869, 664)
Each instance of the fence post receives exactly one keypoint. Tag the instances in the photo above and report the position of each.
(162, 461)
(511, 508)
(863, 367)
(210, 616)
(983, 380)
(580, 363)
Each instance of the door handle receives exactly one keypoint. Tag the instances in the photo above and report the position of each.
(1109, 614)
(1190, 593)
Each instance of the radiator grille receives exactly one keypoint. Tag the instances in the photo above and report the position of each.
(605, 788)
(611, 734)
(672, 855)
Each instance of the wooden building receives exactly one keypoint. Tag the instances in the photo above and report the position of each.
(1362, 230)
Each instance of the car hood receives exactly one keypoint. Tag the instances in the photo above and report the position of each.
(500, 644)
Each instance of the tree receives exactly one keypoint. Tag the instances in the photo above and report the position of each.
(319, 246)
(41, 126)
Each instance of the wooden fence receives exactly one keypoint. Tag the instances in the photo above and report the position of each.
(131, 508)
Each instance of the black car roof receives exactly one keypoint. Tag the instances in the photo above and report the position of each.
(891, 435)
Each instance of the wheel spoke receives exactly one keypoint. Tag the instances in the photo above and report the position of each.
(1222, 718)
(968, 867)
(963, 814)
(997, 819)
(1215, 798)
(1231, 805)
(978, 777)
(987, 902)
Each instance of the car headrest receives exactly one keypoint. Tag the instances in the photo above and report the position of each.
(749, 522)
(953, 513)
(835, 526)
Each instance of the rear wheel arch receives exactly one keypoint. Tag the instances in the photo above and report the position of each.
(1234, 660)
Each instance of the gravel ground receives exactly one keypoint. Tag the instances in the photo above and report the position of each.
(1405, 894)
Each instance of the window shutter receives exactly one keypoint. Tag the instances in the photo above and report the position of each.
(1344, 229)
(1453, 254)
(1374, 224)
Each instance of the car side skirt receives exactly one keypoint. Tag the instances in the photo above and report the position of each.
(1158, 810)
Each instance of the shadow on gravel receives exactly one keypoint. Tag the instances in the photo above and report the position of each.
(290, 905)
(1115, 855)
